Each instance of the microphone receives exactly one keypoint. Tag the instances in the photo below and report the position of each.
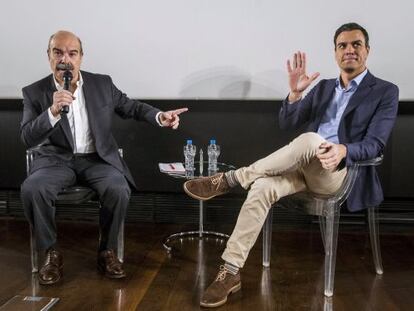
(67, 78)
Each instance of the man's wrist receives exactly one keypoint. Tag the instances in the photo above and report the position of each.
(344, 150)
(294, 96)
(54, 111)
(158, 118)
(53, 119)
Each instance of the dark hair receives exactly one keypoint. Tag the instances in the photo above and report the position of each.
(52, 36)
(350, 27)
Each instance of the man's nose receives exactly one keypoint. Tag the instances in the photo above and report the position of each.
(65, 58)
(349, 49)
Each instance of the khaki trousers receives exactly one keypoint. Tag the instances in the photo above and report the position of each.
(288, 170)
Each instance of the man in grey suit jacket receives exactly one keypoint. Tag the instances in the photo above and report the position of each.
(346, 119)
(78, 147)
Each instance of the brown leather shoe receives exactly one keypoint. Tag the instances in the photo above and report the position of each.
(206, 188)
(110, 265)
(52, 269)
(224, 284)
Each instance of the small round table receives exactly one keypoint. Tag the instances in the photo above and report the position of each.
(199, 169)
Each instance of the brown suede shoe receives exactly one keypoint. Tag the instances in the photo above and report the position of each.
(206, 188)
(110, 265)
(52, 269)
(224, 284)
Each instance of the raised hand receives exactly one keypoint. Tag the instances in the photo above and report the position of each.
(298, 79)
(171, 118)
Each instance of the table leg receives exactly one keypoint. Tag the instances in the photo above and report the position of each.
(201, 218)
(200, 232)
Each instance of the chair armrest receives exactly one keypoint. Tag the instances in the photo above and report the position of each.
(351, 176)
(29, 158)
(371, 162)
(30, 151)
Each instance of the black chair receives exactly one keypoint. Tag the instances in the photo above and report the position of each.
(328, 210)
(74, 195)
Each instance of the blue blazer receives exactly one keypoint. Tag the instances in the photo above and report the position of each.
(364, 128)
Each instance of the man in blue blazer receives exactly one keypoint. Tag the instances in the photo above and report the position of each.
(346, 119)
(78, 146)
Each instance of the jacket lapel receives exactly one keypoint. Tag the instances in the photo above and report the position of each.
(91, 104)
(324, 102)
(64, 123)
(361, 93)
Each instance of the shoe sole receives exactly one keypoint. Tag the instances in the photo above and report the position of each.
(196, 196)
(110, 276)
(41, 282)
(232, 290)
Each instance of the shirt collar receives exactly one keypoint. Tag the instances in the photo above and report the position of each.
(354, 82)
(79, 83)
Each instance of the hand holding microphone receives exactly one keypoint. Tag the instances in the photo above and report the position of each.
(62, 99)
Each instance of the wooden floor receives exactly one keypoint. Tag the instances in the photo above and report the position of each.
(157, 281)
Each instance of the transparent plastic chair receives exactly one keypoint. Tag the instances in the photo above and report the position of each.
(328, 210)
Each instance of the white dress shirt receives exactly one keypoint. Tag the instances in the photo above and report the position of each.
(78, 120)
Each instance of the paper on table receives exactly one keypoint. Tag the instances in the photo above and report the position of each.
(176, 168)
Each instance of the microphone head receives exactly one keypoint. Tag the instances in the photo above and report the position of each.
(63, 66)
(67, 75)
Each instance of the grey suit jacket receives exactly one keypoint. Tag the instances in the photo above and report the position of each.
(102, 100)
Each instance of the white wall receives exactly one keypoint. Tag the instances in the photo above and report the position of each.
(202, 48)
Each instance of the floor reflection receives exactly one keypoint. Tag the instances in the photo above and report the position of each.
(266, 290)
(119, 298)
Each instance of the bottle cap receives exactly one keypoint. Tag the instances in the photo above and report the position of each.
(189, 142)
(212, 141)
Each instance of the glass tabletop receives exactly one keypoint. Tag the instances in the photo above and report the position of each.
(202, 170)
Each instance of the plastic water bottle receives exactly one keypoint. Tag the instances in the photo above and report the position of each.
(189, 154)
(213, 152)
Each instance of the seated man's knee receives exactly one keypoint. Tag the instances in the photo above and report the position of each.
(118, 187)
(310, 139)
(32, 187)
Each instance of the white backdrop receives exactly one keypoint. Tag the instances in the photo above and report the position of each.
(202, 48)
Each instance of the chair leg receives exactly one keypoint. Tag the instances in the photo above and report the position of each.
(373, 225)
(35, 285)
(120, 249)
(331, 241)
(33, 251)
(267, 238)
(322, 226)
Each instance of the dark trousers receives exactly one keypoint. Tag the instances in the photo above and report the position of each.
(39, 192)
